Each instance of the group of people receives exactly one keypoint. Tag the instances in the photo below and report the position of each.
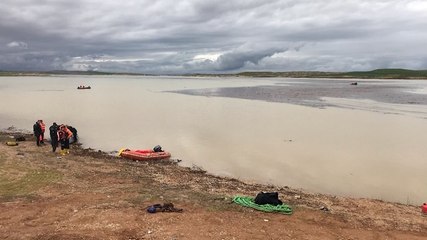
(39, 128)
(59, 134)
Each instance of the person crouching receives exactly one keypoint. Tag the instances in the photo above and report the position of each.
(64, 135)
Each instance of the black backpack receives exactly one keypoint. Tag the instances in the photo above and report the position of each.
(268, 198)
(157, 148)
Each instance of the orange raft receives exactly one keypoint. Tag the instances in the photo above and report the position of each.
(143, 155)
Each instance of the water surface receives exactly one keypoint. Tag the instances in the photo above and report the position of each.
(277, 131)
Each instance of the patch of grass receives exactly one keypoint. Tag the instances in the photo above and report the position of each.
(27, 184)
(212, 202)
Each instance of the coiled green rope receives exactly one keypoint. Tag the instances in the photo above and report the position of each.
(249, 202)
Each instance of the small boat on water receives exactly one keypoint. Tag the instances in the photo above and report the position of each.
(143, 155)
(83, 87)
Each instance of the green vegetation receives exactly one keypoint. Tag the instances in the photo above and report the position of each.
(387, 73)
(27, 184)
(378, 73)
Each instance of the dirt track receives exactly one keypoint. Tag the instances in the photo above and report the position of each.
(91, 195)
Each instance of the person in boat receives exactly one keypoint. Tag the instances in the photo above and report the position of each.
(37, 130)
(53, 130)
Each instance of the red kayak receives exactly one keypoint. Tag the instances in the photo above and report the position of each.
(143, 155)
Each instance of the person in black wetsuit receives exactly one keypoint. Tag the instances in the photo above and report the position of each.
(37, 132)
(53, 130)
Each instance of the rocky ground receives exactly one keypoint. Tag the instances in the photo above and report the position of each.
(92, 195)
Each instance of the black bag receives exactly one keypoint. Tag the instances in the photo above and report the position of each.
(20, 138)
(268, 198)
(157, 148)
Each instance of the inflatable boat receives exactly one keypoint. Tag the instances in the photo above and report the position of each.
(83, 87)
(143, 155)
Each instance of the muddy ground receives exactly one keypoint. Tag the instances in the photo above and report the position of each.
(92, 195)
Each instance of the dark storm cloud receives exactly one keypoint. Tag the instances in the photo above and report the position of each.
(170, 36)
(236, 60)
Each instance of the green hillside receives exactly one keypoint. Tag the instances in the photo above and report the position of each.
(378, 73)
(387, 73)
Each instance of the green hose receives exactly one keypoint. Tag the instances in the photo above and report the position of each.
(249, 202)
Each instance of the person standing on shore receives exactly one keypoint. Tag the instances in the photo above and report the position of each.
(53, 130)
(61, 138)
(68, 135)
(64, 136)
(43, 128)
(37, 130)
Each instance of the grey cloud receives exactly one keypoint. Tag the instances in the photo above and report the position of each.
(18, 44)
(168, 34)
(32, 62)
(237, 59)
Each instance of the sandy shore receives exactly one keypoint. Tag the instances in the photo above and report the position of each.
(92, 195)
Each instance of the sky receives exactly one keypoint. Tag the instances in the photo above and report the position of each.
(205, 36)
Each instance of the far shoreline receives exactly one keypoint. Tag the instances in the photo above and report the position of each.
(385, 74)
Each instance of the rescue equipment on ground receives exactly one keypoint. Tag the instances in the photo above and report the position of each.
(249, 202)
(12, 143)
(144, 154)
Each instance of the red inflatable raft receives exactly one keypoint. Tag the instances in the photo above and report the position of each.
(143, 155)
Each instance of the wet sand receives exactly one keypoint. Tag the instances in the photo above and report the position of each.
(311, 92)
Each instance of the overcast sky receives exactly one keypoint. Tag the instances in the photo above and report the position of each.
(177, 36)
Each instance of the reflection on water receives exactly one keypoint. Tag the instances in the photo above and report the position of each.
(346, 151)
(413, 110)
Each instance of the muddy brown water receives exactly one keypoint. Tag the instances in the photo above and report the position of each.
(321, 135)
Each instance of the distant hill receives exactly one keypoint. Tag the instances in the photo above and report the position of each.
(62, 72)
(374, 74)
(388, 73)
(378, 73)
